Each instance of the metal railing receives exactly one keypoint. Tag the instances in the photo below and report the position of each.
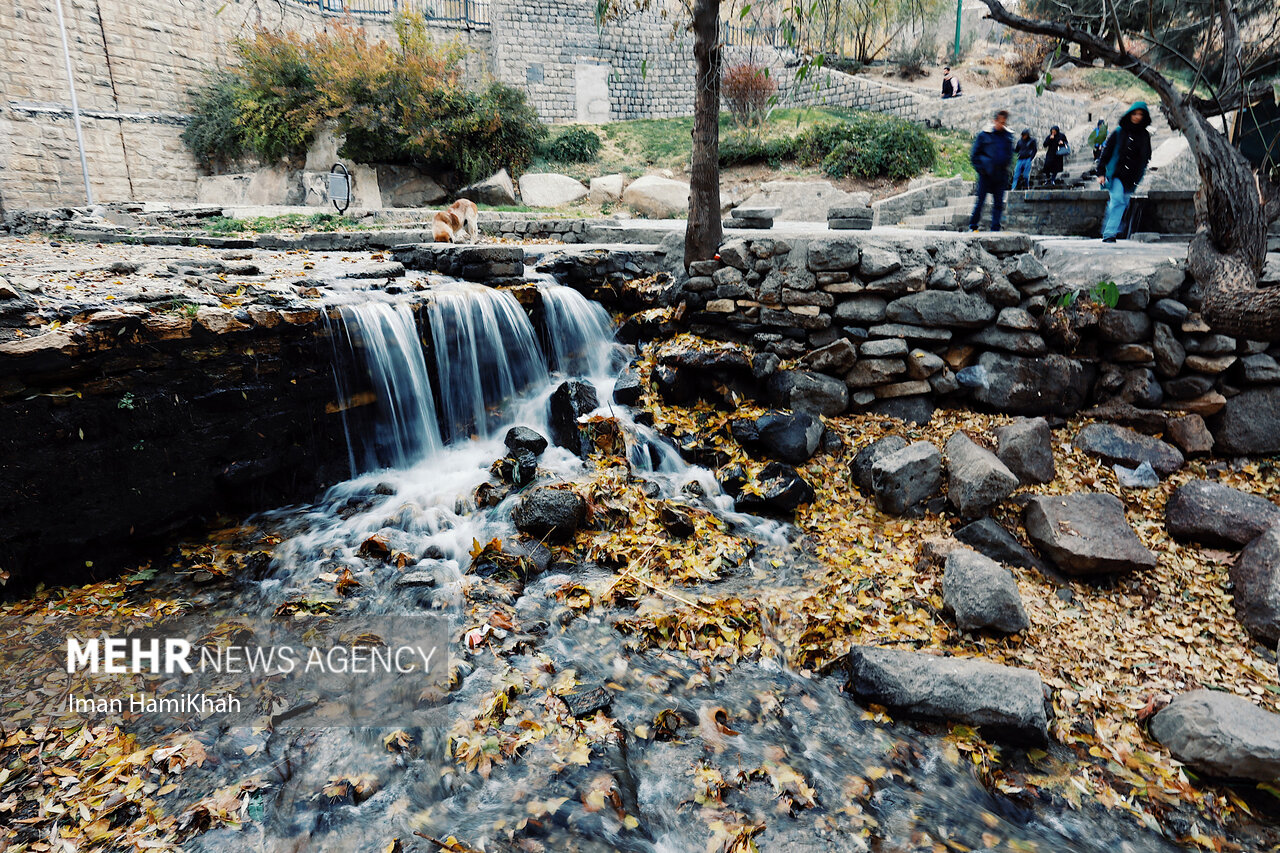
(743, 35)
(462, 14)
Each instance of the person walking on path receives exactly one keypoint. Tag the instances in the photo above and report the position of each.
(1055, 148)
(1122, 164)
(949, 87)
(990, 156)
(1098, 138)
(1026, 149)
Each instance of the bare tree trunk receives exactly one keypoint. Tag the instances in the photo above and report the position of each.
(703, 232)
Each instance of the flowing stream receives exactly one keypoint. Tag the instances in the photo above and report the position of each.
(442, 414)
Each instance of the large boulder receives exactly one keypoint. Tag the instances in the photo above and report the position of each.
(804, 201)
(907, 477)
(657, 198)
(1085, 534)
(548, 189)
(1007, 703)
(977, 479)
(987, 536)
(1016, 385)
(1026, 447)
(1255, 578)
(981, 593)
(818, 394)
(569, 402)
(606, 189)
(496, 189)
(1249, 424)
(1220, 734)
(549, 514)
(949, 309)
(406, 186)
(1121, 444)
(522, 438)
(792, 437)
(1216, 514)
(864, 459)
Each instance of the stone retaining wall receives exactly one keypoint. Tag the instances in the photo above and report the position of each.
(1080, 212)
(872, 322)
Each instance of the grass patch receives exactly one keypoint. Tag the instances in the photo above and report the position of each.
(953, 154)
(224, 225)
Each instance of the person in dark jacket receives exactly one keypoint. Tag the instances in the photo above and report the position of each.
(1123, 163)
(1098, 138)
(948, 83)
(1054, 145)
(990, 156)
(1025, 149)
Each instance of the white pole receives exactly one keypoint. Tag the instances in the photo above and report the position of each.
(75, 107)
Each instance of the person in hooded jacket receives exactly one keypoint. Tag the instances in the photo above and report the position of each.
(1055, 146)
(1026, 149)
(1098, 138)
(990, 156)
(1123, 163)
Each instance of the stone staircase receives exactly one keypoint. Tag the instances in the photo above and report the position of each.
(952, 214)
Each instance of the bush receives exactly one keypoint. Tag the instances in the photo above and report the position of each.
(868, 147)
(748, 150)
(575, 145)
(1026, 60)
(402, 103)
(913, 60)
(748, 90)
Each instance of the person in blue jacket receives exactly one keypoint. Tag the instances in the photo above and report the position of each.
(1025, 148)
(990, 156)
(1123, 163)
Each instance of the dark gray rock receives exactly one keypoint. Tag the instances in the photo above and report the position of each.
(782, 492)
(907, 477)
(1018, 385)
(1017, 320)
(1216, 514)
(792, 437)
(981, 593)
(1249, 425)
(523, 438)
(549, 514)
(834, 358)
(1188, 387)
(863, 308)
(1124, 327)
(832, 255)
(1219, 734)
(1260, 369)
(818, 394)
(1169, 311)
(977, 479)
(1005, 702)
(869, 372)
(570, 401)
(860, 468)
(1024, 268)
(941, 308)
(1140, 387)
(1256, 580)
(910, 410)
(1085, 534)
(921, 364)
(1121, 444)
(628, 390)
(1001, 293)
(987, 536)
(1024, 343)
(1026, 447)
(1190, 435)
(877, 262)
(1211, 345)
(886, 348)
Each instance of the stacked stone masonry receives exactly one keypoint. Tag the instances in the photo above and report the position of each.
(982, 322)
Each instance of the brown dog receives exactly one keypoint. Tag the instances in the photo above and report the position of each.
(460, 220)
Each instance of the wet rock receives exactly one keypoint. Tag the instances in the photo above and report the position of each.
(1220, 734)
(978, 480)
(1216, 514)
(1256, 580)
(1123, 445)
(628, 389)
(220, 321)
(1249, 423)
(782, 491)
(416, 579)
(1085, 534)
(1191, 435)
(1005, 702)
(1026, 447)
(946, 309)
(675, 519)
(907, 477)
(987, 536)
(818, 394)
(982, 594)
(549, 514)
(793, 437)
(523, 438)
(586, 700)
(1030, 386)
(569, 402)
(864, 459)
(389, 269)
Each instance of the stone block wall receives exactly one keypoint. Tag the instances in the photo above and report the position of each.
(1080, 212)
(848, 323)
(895, 208)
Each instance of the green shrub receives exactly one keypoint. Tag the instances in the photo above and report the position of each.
(214, 134)
(868, 147)
(574, 145)
(750, 150)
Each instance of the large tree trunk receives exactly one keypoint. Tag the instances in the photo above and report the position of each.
(703, 232)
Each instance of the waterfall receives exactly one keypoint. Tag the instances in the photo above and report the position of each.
(385, 337)
(576, 332)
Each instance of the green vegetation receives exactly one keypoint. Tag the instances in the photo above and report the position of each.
(574, 144)
(222, 225)
(953, 154)
(404, 103)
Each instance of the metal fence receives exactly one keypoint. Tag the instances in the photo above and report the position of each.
(463, 14)
(743, 35)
